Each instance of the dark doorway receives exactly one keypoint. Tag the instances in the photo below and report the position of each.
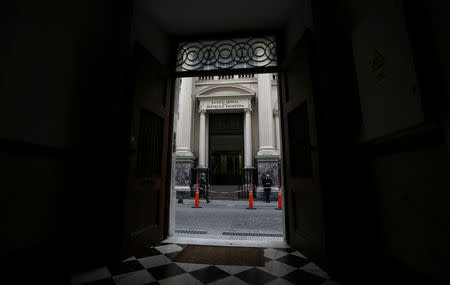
(226, 148)
(226, 167)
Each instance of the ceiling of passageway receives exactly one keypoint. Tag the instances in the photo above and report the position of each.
(184, 17)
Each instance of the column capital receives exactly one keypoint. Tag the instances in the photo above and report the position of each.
(202, 111)
(276, 112)
(248, 110)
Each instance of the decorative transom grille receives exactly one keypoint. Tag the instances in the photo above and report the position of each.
(241, 53)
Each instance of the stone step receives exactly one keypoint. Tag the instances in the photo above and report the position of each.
(224, 188)
(226, 192)
(223, 197)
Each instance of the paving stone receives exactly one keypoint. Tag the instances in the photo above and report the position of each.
(225, 219)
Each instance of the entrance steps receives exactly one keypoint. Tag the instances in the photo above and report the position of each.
(225, 192)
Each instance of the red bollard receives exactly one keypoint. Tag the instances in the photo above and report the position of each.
(279, 198)
(250, 198)
(196, 198)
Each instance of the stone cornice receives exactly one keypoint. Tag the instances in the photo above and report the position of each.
(224, 95)
(240, 91)
(226, 82)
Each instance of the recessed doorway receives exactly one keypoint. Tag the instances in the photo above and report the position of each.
(227, 130)
(226, 166)
(226, 148)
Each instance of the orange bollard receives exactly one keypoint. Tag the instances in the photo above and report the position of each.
(196, 198)
(250, 198)
(279, 198)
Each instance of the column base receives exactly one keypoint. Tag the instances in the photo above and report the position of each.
(183, 192)
(182, 153)
(183, 176)
(266, 152)
(269, 164)
(273, 194)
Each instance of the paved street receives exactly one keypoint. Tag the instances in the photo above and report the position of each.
(223, 219)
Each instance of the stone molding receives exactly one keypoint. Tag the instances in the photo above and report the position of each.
(268, 157)
(215, 90)
(185, 158)
(182, 188)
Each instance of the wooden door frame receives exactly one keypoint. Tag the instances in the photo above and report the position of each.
(281, 86)
(316, 178)
(170, 87)
(126, 247)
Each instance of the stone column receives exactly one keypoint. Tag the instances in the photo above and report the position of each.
(248, 140)
(267, 157)
(184, 156)
(265, 123)
(183, 143)
(276, 114)
(202, 141)
(207, 140)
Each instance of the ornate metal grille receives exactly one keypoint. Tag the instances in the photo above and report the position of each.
(242, 53)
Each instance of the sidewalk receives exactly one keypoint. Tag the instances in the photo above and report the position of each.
(229, 220)
(239, 204)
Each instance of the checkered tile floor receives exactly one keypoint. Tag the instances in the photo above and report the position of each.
(155, 266)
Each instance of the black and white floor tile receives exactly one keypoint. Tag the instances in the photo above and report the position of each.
(154, 266)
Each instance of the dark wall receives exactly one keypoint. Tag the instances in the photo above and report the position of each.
(432, 41)
(410, 192)
(384, 153)
(347, 215)
(33, 182)
(64, 119)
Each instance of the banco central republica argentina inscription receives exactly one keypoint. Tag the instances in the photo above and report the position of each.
(225, 104)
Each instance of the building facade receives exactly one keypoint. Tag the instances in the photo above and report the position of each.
(229, 127)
